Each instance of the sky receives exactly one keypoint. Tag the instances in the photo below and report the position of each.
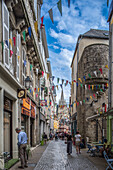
(62, 36)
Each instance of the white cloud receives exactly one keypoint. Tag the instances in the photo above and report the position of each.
(78, 19)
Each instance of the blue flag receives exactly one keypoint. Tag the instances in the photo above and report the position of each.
(29, 30)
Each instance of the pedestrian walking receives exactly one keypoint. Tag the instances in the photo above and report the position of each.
(77, 142)
(45, 137)
(50, 136)
(69, 143)
(22, 145)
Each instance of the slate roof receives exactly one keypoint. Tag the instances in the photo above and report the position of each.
(97, 33)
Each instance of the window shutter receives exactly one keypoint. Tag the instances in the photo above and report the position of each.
(18, 54)
(5, 14)
(35, 8)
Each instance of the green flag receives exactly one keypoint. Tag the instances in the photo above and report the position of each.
(84, 101)
(89, 75)
(101, 90)
(2, 44)
(58, 80)
(107, 3)
(24, 35)
(31, 67)
(59, 5)
(99, 86)
(81, 85)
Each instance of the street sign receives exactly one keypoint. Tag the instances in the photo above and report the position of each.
(21, 93)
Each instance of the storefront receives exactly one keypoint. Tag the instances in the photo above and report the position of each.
(42, 125)
(8, 126)
(28, 120)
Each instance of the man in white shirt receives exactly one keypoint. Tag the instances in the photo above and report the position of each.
(77, 141)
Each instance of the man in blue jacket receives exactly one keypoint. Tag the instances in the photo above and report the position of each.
(22, 144)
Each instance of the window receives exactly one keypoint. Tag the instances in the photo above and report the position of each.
(5, 14)
(35, 8)
(18, 54)
(11, 68)
(23, 66)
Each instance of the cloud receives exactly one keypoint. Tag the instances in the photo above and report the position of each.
(62, 36)
(65, 40)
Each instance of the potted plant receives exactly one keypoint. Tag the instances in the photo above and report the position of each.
(28, 151)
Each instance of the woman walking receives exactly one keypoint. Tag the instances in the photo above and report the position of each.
(69, 143)
(77, 142)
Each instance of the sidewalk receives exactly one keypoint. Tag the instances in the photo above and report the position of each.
(36, 155)
(99, 162)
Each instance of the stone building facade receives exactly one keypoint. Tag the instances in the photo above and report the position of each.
(90, 55)
(22, 55)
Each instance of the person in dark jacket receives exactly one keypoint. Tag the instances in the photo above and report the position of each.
(69, 143)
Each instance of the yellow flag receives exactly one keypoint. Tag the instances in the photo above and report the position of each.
(107, 84)
(47, 75)
(111, 21)
(18, 57)
(72, 82)
(92, 87)
(10, 40)
(33, 93)
(80, 80)
(106, 66)
(36, 26)
(38, 89)
(91, 97)
(74, 104)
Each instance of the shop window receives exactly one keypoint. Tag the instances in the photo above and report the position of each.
(5, 14)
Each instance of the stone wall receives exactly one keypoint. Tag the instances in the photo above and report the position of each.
(93, 58)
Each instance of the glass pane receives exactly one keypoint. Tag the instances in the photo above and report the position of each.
(5, 17)
(6, 56)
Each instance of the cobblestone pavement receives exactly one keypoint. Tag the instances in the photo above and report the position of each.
(56, 158)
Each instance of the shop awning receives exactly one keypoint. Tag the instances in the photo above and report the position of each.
(96, 116)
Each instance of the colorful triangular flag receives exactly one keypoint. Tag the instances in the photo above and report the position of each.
(51, 15)
(59, 5)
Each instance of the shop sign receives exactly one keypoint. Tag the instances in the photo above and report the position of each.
(21, 93)
(26, 107)
(33, 110)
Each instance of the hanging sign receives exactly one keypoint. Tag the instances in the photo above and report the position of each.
(21, 93)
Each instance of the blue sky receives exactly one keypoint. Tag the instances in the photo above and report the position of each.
(62, 35)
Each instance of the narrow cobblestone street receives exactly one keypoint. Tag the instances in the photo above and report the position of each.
(55, 157)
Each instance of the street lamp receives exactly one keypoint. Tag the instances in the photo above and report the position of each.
(27, 82)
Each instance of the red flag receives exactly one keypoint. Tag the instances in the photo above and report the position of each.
(11, 53)
(14, 39)
(105, 108)
(34, 89)
(101, 70)
(66, 82)
(42, 73)
(77, 103)
(89, 87)
(52, 87)
(94, 95)
(75, 81)
(42, 19)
